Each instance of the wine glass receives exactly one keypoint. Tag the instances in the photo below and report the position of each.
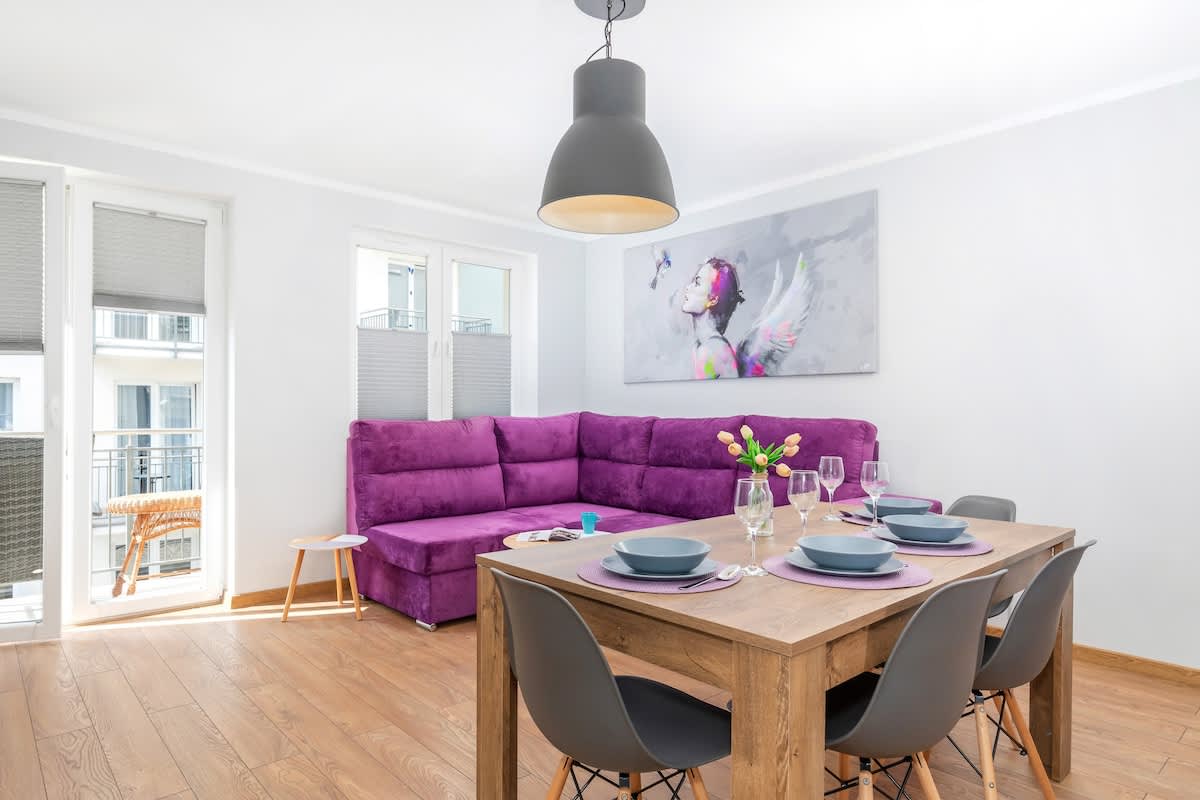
(753, 505)
(875, 481)
(804, 492)
(832, 474)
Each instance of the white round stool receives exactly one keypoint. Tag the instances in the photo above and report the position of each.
(340, 544)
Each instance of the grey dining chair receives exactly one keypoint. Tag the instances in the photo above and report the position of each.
(916, 700)
(981, 506)
(601, 722)
(1015, 658)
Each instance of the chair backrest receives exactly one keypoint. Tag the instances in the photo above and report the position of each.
(566, 681)
(981, 506)
(1028, 639)
(929, 675)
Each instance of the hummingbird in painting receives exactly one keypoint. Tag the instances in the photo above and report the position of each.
(662, 263)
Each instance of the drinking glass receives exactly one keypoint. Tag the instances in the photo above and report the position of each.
(753, 504)
(804, 492)
(875, 482)
(832, 475)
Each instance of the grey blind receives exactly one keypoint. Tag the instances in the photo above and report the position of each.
(393, 374)
(22, 264)
(147, 261)
(481, 375)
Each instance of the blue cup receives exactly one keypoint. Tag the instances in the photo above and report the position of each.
(589, 519)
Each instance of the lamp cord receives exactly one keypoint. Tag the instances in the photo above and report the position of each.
(607, 46)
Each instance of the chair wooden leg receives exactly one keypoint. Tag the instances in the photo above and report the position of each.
(120, 584)
(635, 783)
(1035, 759)
(337, 568)
(1006, 723)
(699, 790)
(925, 777)
(560, 779)
(845, 772)
(353, 585)
(983, 732)
(137, 564)
(866, 791)
(287, 604)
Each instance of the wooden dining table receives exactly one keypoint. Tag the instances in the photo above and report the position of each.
(776, 645)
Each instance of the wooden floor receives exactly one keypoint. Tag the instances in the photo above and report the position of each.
(211, 704)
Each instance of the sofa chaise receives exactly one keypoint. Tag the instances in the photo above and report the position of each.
(429, 496)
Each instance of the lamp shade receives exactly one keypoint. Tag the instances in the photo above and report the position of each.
(608, 173)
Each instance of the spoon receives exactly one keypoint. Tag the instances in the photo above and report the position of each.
(727, 574)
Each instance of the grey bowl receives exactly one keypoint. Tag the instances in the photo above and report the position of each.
(662, 555)
(925, 527)
(846, 552)
(899, 505)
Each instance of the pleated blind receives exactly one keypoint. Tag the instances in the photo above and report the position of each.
(147, 261)
(393, 374)
(22, 264)
(481, 375)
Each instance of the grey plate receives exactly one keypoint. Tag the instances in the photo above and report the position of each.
(801, 561)
(615, 565)
(888, 536)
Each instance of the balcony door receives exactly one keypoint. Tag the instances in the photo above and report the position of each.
(442, 331)
(32, 441)
(148, 313)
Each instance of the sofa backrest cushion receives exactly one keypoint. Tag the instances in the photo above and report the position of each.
(539, 459)
(852, 439)
(613, 453)
(403, 470)
(691, 474)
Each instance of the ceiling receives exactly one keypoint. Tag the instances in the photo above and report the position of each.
(462, 101)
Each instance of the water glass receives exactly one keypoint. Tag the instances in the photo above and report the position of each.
(875, 481)
(833, 473)
(753, 504)
(804, 492)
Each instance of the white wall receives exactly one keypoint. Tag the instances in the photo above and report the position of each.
(291, 329)
(1039, 340)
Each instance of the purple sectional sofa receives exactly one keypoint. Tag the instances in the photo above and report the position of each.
(429, 496)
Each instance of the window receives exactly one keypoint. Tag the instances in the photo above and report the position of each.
(7, 395)
(435, 327)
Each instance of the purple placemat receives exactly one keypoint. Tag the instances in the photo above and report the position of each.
(975, 548)
(910, 576)
(592, 572)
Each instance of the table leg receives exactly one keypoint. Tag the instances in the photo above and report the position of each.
(287, 604)
(353, 585)
(337, 568)
(1050, 695)
(778, 724)
(496, 699)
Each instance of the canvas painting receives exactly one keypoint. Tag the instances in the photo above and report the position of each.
(794, 293)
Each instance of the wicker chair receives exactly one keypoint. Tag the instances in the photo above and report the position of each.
(21, 464)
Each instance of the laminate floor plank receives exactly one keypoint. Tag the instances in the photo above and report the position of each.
(210, 766)
(230, 657)
(54, 702)
(20, 775)
(87, 654)
(252, 736)
(296, 778)
(409, 760)
(10, 669)
(74, 767)
(151, 679)
(139, 760)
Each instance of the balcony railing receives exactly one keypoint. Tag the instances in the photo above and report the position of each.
(407, 319)
(154, 331)
(142, 461)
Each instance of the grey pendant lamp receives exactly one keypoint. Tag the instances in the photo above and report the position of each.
(608, 173)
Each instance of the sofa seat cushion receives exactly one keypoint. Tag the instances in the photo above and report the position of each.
(441, 544)
(639, 521)
(691, 474)
(539, 459)
(566, 515)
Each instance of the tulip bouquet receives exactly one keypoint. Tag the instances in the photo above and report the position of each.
(760, 457)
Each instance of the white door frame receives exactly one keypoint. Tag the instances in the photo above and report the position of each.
(214, 515)
(54, 473)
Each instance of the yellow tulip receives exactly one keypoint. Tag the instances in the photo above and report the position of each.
(725, 437)
(792, 440)
(788, 452)
(747, 433)
(735, 449)
(783, 470)
(761, 459)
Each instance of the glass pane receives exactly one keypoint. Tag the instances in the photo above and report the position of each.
(391, 291)
(480, 300)
(22, 459)
(393, 349)
(6, 405)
